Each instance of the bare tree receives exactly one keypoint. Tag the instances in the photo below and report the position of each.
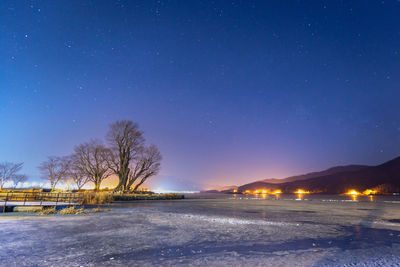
(90, 160)
(78, 177)
(9, 172)
(20, 178)
(147, 165)
(126, 142)
(54, 170)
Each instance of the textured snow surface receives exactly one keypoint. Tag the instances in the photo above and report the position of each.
(218, 232)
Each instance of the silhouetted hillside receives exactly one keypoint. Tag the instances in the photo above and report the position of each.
(384, 177)
(329, 171)
(224, 189)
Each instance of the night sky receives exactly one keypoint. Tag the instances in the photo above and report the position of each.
(230, 91)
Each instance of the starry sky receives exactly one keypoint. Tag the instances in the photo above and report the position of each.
(230, 91)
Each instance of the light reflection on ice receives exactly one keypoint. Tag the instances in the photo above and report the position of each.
(234, 221)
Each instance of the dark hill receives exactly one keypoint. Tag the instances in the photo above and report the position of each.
(384, 177)
(329, 171)
(275, 183)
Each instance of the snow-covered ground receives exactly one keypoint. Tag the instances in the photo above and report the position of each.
(209, 232)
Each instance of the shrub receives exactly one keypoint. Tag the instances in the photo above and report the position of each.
(98, 198)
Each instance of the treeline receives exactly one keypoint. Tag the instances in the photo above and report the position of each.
(124, 155)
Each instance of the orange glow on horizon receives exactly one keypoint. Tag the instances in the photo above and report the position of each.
(301, 191)
(263, 192)
(107, 187)
(369, 192)
(353, 192)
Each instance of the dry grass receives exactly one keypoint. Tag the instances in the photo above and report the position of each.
(27, 209)
(47, 211)
(72, 210)
(69, 210)
(98, 198)
(149, 196)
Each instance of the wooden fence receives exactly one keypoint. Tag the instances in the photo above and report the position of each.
(40, 199)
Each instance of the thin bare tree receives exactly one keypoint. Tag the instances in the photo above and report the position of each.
(147, 165)
(125, 141)
(20, 178)
(9, 172)
(90, 160)
(78, 177)
(54, 170)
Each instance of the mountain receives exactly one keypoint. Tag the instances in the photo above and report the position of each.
(224, 189)
(274, 183)
(385, 178)
(329, 171)
(228, 188)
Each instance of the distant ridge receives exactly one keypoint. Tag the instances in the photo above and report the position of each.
(385, 178)
(224, 189)
(329, 171)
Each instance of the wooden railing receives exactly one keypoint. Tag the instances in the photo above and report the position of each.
(40, 198)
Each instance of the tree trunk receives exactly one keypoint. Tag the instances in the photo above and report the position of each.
(123, 180)
(130, 184)
(119, 186)
(96, 186)
(141, 182)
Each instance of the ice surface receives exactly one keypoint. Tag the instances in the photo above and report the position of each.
(213, 232)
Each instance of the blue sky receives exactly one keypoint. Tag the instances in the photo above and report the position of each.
(230, 91)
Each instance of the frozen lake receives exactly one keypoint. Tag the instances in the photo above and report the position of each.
(213, 230)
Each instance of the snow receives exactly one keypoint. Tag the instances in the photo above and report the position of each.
(213, 232)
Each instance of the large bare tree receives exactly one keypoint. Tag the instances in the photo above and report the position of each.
(54, 170)
(126, 142)
(9, 172)
(147, 164)
(90, 160)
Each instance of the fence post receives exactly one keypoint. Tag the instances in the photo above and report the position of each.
(25, 198)
(57, 198)
(5, 203)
